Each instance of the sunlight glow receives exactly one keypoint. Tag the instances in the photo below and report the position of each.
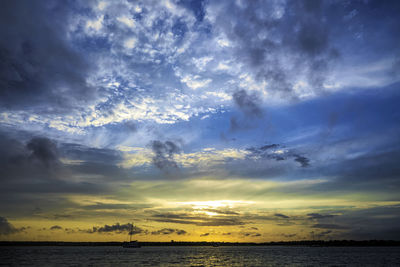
(215, 204)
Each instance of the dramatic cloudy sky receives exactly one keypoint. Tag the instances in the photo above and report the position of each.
(199, 120)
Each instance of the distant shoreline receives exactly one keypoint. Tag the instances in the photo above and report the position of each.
(308, 243)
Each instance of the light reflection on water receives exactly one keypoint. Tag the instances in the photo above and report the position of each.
(200, 256)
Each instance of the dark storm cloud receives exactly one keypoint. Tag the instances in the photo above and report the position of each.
(36, 150)
(164, 154)
(277, 152)
(37, 159)
(43, 149)
(39, 69)
(7, 228)
(281, 215)
(168, 231)
(40, 158)
(38, 162)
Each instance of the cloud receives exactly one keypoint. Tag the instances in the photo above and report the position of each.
(277, 152)
(109, 206)
(56, 227)
(250, 107)
(304, 162)
(379, 222)
(281, 216)
(127, 228)
(205, 234)
(36, 150)
(320, 216)
(197, 220)
(37, 159)
(251, 234)
(180, 232)
(248, 104)
(164, 231)
(67, 79)
(43, 149)
(29, 78)
(262, 36)
(164, 154)
(117, 228)
(7, 228)
(277, 44)
(371, 170)
(80, 154)
(226, 212)
(168, 231)
(46, 166)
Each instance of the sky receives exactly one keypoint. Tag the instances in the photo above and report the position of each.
(236, 121)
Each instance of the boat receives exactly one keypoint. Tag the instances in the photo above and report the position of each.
(131, 243)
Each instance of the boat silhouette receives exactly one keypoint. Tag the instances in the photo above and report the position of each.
(131, 243)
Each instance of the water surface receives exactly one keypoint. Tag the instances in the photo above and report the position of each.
(199, 256)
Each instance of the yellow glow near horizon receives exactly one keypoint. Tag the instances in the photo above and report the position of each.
(214, 204)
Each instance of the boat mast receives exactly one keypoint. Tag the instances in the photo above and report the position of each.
(130, 233)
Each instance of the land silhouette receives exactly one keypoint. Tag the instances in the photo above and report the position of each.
(309, 243)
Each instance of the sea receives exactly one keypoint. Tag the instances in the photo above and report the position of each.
(199, 256)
